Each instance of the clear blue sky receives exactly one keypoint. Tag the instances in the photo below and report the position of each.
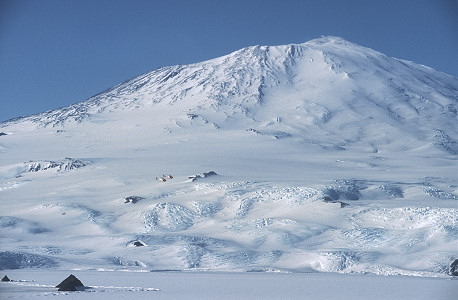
(57, 52)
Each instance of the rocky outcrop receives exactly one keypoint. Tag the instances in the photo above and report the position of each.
(453, 271)
(132, 199)
(203, 175)
(138, 244)
(66, 164)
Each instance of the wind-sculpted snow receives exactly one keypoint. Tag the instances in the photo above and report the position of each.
(77, 213)
(446, 142)
(18, 260)
(408, 218)
(435, 192)
(257, 226)
(169, 217)
(345, 189)
(392, 190)
(19, 225)
(206, 209)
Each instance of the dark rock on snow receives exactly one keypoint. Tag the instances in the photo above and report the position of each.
(132, 199)
(203, 175)
(453, 271)
(5, 279)
(138, 244)
(329, 200)
(70, 284)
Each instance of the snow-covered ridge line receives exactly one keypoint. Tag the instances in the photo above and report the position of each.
(238, 80)
(66, 164)
(63, 165)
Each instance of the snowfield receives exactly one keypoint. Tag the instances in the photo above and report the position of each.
(321, 157)
(40, 284)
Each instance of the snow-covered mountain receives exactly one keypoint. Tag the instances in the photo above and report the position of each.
(322, 156)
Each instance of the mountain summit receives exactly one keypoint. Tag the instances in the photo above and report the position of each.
(324, 87)
(322, 156)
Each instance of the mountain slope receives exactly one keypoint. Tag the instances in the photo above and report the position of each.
(317, 86)
(321, 156)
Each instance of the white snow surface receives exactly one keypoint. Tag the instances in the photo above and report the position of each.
(317, 157)
(40, 284)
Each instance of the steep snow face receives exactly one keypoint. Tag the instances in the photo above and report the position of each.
(322, 156)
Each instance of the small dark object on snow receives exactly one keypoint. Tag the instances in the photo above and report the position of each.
(70, 284)
(343, 204)
(203, 175)
(5, 279)
(453, 271)
(2, 133)
(138, 244)
(329, 200)
(132, 199)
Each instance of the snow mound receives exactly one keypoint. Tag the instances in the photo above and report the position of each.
(20, 225)
(446, 142)
(74, 213)
(344, 189)
(169, 217)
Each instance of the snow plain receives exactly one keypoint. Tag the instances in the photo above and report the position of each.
(318, 157)
(40, 284)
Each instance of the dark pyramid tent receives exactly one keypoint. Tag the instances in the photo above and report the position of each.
(70, 284)
(5, 278)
